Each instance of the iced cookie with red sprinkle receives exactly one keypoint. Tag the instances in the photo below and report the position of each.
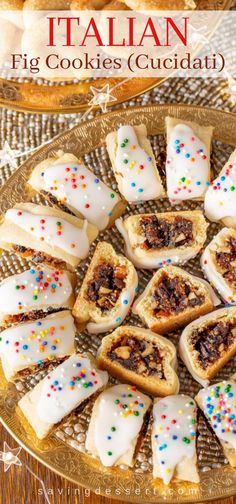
(188, 159)
(220, 199)
(68, 180)
(33, 293)
(46, 235)
(174, 439)
(115, 425)
(26, 346)
(134, 164)
(218, 403)
(60, 392)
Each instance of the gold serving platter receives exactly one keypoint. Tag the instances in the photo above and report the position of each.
(69, 97)
(63, 451)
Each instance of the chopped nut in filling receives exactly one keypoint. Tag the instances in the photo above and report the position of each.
(210, 341)
(138, 355)
(227, 262)
(161, 233)
(107, 283)
(174, 295)
(37, 256)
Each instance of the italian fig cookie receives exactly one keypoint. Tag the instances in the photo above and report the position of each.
(32, 344)
(60, 392)
(174, 439)
(208, 343)
(188, 159)
(134, 164)
(107, 291)
(73, 185)
(140, 357)
(32, 293)
(116, 424)
(218, 403)
(172, 298)
(220, 198)
(218, 262)
(46, 235)
(154, 240)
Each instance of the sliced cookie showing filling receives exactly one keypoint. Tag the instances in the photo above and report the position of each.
(152, 240)
(219, 264)
(107, 291)
(141, 357)
(172, 298)
(208, 343)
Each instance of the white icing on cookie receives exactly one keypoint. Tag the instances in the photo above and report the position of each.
(220, 199)
(135, 170)
(74, 185)
(36, 342)
(37, 288)
(67, 386)
(187, 165)
(53, 230)
(119, 419)
(165, 257)
(122, 309)
(219, 405)
(174, 433)
(226, 288)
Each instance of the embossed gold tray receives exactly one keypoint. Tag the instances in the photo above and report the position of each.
(52, 97)
(63, 451)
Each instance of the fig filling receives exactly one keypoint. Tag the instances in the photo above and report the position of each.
(212, 340)
(138, 355)
(107, 284)
(227, 262)
(32, 315)
(174, 295)
(37, 256)
(161, 233)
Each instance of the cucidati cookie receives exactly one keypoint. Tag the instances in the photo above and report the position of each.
(218, 262)
(46, 235)
(138, 356)
(60, 392)
(35, 292)
(188, 159)
(172, 298)
(208, 343)
(73, 185)
(116, 424)
(107, 291)
(218, 403)
(134, 164)
(220, 198)
(174, 439)
(26, 346)
(152, 240)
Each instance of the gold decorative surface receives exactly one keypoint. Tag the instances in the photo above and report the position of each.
(63, 451)
(51, 97)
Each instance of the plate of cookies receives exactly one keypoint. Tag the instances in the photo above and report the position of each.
(118, 304)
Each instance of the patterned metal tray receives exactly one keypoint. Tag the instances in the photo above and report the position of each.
(64, 451)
